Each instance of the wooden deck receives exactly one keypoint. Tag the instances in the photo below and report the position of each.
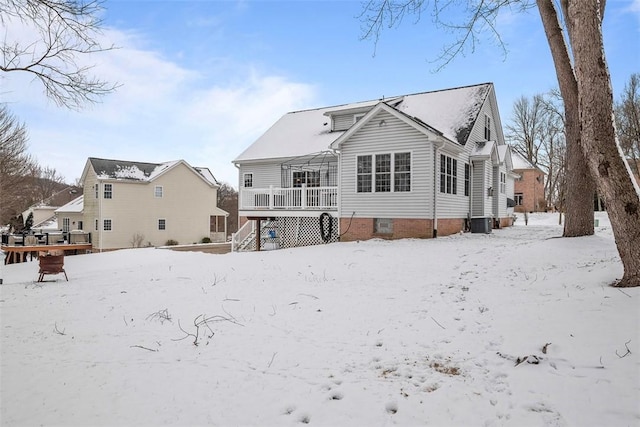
(17, 254)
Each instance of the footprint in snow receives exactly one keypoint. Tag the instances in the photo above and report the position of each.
(391, 407)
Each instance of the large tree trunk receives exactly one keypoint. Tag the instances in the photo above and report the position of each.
(580, 186)
(604, 156)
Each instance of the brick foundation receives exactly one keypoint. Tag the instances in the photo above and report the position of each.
(446, 227)
(363, 228)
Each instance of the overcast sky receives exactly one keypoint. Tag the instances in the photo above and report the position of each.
(201, 80)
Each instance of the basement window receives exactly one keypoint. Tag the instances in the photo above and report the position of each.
(383, 226)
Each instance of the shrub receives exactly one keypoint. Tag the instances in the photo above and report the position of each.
(205, 240)
(171, 242)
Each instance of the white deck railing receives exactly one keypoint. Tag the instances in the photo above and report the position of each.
(299, 198)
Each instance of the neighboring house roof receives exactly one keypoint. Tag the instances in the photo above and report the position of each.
(519, 162)
(449, 112)
(74, 206)
(123, 170)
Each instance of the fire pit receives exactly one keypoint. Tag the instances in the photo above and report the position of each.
(51, 264)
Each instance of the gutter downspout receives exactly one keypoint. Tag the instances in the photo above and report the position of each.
(436, 147)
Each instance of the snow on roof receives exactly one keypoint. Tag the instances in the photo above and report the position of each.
(140, 171)
(294, 134)
(206, 174)
(519, 162)
(74, 206)
(451, 112)
(483, 149)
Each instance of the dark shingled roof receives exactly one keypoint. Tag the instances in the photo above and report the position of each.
(112, 167)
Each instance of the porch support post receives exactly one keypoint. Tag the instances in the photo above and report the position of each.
(258, 231)
(271, 197)
(303, 196)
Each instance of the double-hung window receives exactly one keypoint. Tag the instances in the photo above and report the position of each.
(108, 191)
(384, 173)
(467, 179)
(402, 172)
(247, 180)
(107, 225)
(162, 224)
(158, 191)
(448, 175)
(364, 169)
(503, 182)
(487, 127)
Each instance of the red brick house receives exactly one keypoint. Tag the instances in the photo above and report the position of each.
(529, 188)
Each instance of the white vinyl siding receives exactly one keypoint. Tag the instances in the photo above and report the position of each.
(478, 189)
(454, 204)
(262, 174)
(372, 139)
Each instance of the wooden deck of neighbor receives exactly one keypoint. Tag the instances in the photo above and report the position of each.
(17, 254)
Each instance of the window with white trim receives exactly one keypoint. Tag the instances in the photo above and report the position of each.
(503, 182)
(96, 226)
(467, 179)
(310, 178)
(158, 191)
(65, 224)
(448, 175)
(162, 224)
(401, 172)
(107, 225)
(518, 199)
(247, 180)
(108, 191)
(384, 173)
(364, 169)
(97, 190)
(487, 127)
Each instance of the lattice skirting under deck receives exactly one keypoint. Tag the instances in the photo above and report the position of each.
(287, 232)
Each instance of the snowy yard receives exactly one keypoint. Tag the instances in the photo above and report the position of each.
(376, 333)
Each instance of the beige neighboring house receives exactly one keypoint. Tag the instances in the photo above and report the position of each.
(70, 216)
(129, 204)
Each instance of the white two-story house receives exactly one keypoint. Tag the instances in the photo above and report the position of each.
(422, 165)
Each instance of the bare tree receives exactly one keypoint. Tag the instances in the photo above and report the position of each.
(228, 201)
(67, 30)
(525, 129)
(536, 131)
(46, 181)
(15, 166)
(585, 84)
(627, 111)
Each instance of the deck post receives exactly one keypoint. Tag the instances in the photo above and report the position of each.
(258, 234)
(271, 197)
(303, 196)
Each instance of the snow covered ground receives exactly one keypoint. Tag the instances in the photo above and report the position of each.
(512, 328)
